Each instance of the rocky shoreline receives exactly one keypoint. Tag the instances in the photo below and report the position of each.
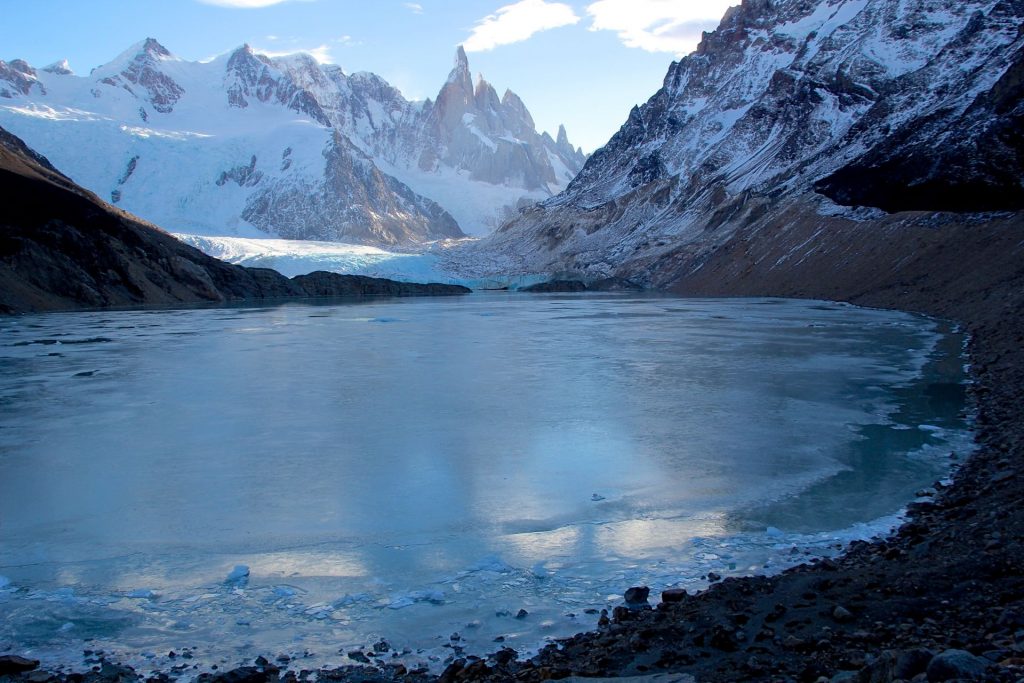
(942, 599)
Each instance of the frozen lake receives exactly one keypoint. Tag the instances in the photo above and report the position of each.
(412, 468)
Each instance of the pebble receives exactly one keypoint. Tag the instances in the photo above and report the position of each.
(841, 614)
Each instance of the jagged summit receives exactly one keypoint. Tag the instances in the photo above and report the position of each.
(149, 50)
(563, 137)
(461, 60)
(152, 46)
(459, 75)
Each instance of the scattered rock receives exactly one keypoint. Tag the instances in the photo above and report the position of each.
(637, 595)
(13, 664)
(244, 674)
(911, 663)
(956, 665)
(841, 614)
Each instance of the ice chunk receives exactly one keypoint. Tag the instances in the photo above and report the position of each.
(774, 532)
(284, 591)
(402, 601)
(143, 593)
(238, 575)
(348, 600)
(4, 582)
(539, 570)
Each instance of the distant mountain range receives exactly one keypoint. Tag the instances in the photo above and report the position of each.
(249, 145)
(842, 133)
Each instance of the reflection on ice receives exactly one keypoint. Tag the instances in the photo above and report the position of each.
(469, 459)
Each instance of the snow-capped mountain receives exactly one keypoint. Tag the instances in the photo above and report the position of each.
(793, 113)
(249, 145)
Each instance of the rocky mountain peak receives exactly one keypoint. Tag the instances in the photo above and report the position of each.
(459, 75)
(517, 111)
(141, 66)
(17, 78)
(250, 75)
(21, 66)
(461, 60)
(60, 68)
(485, 96)
(152, 47)
(563, 137)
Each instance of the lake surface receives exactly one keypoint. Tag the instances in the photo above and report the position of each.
(412, 468)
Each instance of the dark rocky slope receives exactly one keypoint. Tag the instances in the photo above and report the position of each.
(61, 247)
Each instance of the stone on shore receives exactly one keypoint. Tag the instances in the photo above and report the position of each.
(13, 664)
(957, 665)
(637, 595)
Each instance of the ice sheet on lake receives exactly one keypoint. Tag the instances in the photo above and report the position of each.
(482, 458)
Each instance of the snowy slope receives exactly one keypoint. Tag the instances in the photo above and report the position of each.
(249, 145)
(787, 96)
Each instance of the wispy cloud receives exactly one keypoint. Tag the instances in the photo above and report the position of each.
(321, 54)
(658, 25)
(518, 22)
(246, 4)
(414, 7)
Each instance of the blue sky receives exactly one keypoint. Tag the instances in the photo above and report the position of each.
(582, 63)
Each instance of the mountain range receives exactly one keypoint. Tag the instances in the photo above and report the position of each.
(250, 145)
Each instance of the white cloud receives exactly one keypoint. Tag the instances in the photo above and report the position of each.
(414, 7)
(658, 25)
(321, 54)
(517, 22)
(243, 4)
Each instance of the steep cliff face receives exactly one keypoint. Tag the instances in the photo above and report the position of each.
(845, 108)
(225, 147)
